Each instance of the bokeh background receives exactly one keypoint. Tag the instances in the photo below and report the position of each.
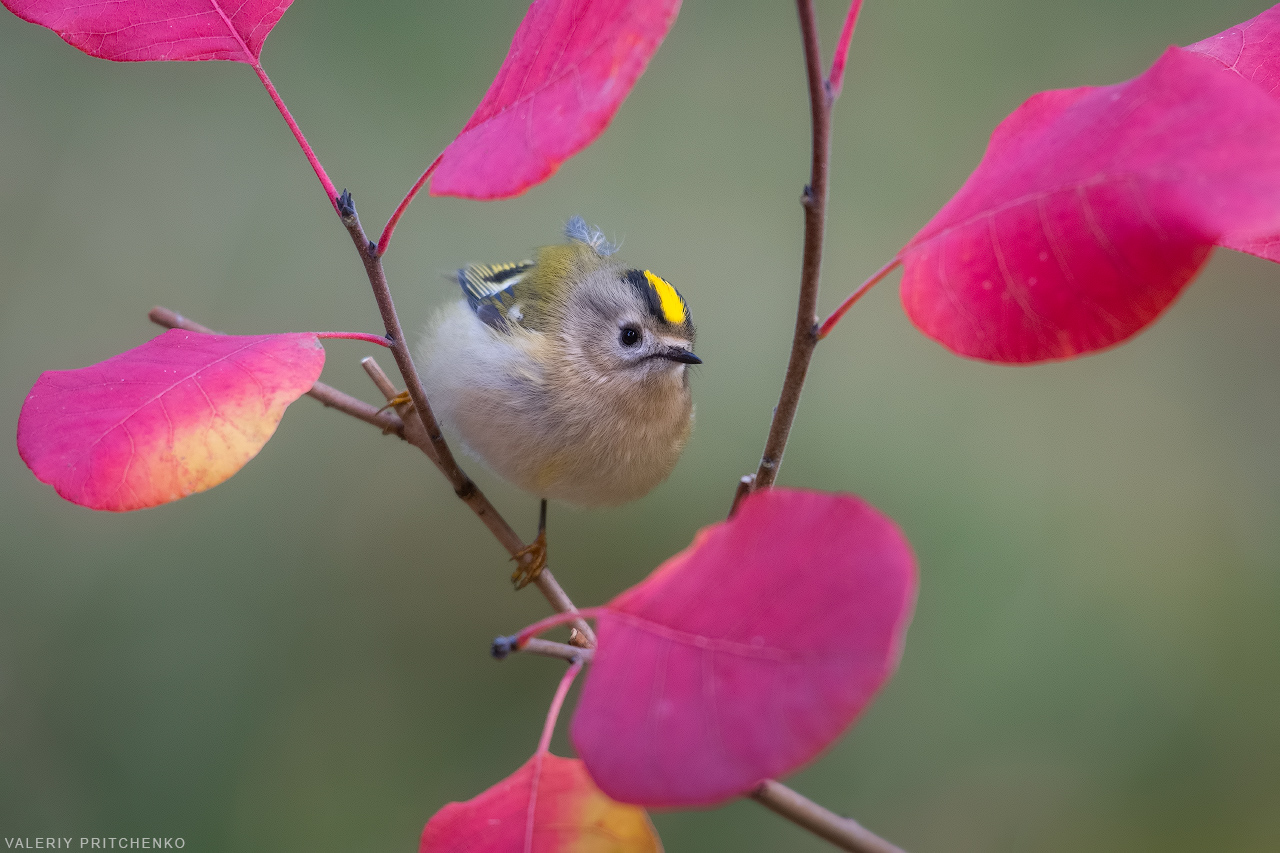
(297, 659)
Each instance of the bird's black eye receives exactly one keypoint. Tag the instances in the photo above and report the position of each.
(629, 336)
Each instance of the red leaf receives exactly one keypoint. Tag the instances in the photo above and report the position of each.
(138, 30)
(747, 654)
(570, 814)
(1092, 208)
(1251, 50)
(175, 416)
(571, 64)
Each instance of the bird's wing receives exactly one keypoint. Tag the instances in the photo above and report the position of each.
(490, 291)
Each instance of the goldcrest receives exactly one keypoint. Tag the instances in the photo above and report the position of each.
(566, 375)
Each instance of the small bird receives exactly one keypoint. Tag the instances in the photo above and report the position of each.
(566, 375)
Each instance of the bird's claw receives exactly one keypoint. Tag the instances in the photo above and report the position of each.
(530, 561)
(398, 400)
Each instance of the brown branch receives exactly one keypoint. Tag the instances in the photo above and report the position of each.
(814, 201)
(413, 432)
(440, 453)
(388, 422)
(549, 649)
(844, 832)
(745, 484)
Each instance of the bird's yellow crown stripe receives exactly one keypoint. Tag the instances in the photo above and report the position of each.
(668, 300)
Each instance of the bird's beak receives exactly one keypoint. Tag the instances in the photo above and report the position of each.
(682, 355)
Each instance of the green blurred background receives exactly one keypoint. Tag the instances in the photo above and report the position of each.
(297, 659)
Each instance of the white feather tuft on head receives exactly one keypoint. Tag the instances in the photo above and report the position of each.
(577, 229)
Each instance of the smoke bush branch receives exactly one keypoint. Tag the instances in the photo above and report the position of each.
(842, 832)
(441, 455)
(414, 432)
(814, 202)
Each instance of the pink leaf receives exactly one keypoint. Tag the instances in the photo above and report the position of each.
(1251, 50)
(1092, 208)
(175, 416)
(139, 30)
(571, 64)
(747, 654)
(570, 814)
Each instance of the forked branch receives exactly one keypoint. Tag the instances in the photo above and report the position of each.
(845, 833)
(440, 453)
(416, 434)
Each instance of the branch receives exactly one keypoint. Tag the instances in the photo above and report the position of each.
(844, 832)
(814, 201)
(745, 484)
(413, 432)
(545, 648)
(440, 453)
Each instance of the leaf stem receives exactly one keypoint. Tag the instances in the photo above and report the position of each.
(830, 323)
(310, 154)
(835, 79)
(557, 702)
(440, 453)
(844, 832)
(517, 641)
(544, 746)
(356, 336)
(390, 227)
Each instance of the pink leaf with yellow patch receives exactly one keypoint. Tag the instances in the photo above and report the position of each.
(570, 813)
(571, 64)
(175, 416)
(1092, 208)
(747, 654)
(142, 30)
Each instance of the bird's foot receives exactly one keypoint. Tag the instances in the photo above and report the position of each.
(399, 400)
(530, 561)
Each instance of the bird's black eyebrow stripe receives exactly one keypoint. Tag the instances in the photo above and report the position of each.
(641, 283)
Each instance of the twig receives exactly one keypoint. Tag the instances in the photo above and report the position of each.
(414, 433)
(844, 832)
(814, 201)
(388, 422)
(745, 482)
(442, 456)
(546, 648)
